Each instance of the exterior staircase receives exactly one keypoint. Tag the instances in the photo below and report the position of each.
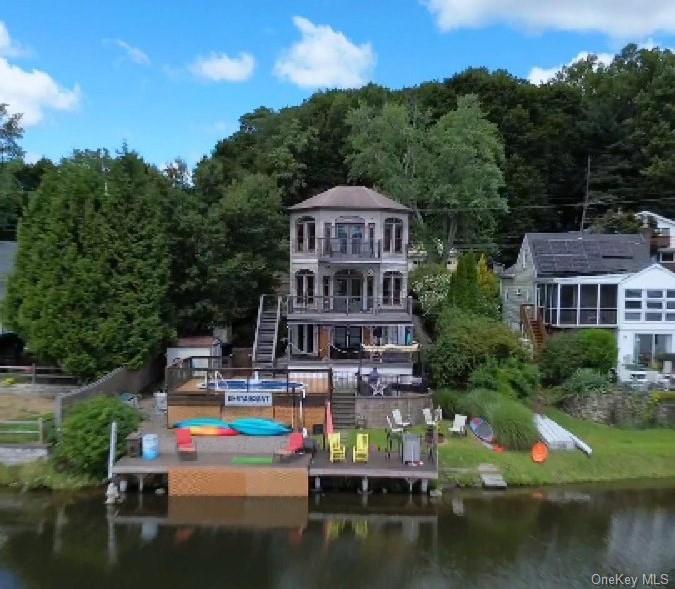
(534, 327)
(267, 331)
(344, 407)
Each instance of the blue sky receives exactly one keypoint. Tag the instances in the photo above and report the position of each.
(171, 77)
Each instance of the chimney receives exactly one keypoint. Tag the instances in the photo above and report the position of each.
(647, 235)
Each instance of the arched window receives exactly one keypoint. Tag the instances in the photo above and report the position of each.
(392, 284)
(393, 235)
(304, 287)
(305, 234)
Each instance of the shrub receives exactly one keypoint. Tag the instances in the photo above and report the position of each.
(513, 425)
(466, 341)
(478, 402)
(566, 352)
(86, 433)
(450, 401)
(511, 378)
(585, 381)
(431, 284)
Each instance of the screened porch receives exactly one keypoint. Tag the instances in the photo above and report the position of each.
(577, 304)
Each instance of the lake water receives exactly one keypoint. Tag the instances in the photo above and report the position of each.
(534, 539)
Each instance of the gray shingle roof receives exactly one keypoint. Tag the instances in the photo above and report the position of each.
(350, 197)
(578, 254)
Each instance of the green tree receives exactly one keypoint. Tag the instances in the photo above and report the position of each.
(448, 171)
(90, 288)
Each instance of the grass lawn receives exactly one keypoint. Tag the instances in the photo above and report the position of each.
(618, 454)
(22, 406)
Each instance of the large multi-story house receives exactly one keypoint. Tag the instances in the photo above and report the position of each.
(348, 305)
(581, 280)
(660, 231)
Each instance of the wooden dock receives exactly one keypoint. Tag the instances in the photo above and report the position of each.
(219, 473)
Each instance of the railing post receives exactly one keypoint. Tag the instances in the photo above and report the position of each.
(112, 451)
(41, 431)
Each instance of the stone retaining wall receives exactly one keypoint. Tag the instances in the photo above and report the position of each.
(375, 409)
(13, 454)
(615, 407)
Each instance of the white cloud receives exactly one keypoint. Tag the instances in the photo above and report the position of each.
(325, 58)
(219, 67)
(617, 18)
(133, 54)
(33, 92)
(9, 47)
(541, 75)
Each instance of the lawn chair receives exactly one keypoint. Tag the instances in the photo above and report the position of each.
(296, 445)
(336, 449)
(429, 418)
(393, 433)
(398, 419)
(458, 426)
(360, 451)
(184, 445)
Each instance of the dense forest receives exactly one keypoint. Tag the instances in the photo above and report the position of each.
(113, 250)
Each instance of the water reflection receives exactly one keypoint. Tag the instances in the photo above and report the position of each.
(548, 538)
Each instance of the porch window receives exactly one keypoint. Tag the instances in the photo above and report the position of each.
(568, 304)
(391, 288)
(347, 339)
(393, 235)
(648, 347)
(305, 234)
(304, 287)
(588, 313)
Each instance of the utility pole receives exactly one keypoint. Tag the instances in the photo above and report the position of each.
(588, 183)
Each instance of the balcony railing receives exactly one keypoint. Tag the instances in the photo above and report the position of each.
(344, 248)
(587, 316)
(349, 305)
(337, 248)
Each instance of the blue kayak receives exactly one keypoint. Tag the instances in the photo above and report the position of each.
(254, 426)
(202, 421)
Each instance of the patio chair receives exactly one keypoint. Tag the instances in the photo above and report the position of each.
(360, 451)
(336, 449)
(296, 445)
(458, 426)
(393, 429)
(429, 418)
(398, 419)
(393, 434)
(184, 445)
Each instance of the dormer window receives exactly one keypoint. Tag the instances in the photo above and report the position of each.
(393, 236)
(305, 235)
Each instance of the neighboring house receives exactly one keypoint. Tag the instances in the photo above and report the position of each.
(661, 232)
(348, 286)
(582, 280)
(7, 259)
(418, 256)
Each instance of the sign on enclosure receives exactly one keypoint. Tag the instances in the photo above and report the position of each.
(251, 399)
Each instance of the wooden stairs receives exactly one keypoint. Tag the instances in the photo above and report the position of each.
(534, 328)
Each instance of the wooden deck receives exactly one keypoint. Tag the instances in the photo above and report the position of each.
(377, 467)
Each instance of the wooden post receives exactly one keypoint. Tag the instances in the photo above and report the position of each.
(112, 451)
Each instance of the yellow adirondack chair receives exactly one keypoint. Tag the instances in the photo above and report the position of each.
(360, 451)
(337, 450)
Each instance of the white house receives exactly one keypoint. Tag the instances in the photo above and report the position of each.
(579, 281)
(661, 231)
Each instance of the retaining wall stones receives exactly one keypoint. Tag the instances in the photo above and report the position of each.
(13, 454)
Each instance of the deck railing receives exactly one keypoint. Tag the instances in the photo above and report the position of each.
(22, 431)
(349, 305)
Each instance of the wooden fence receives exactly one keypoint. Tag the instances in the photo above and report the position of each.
(22, 431)
(37, 374)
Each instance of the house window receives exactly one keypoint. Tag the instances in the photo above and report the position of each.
(393, 235)
(632, 316)
(392, 283)
(304, 287)
(633, 293)
(654, 294)
(648, 347)
(305, 234)
(653, 316)
(666, 256)
(568, 303)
